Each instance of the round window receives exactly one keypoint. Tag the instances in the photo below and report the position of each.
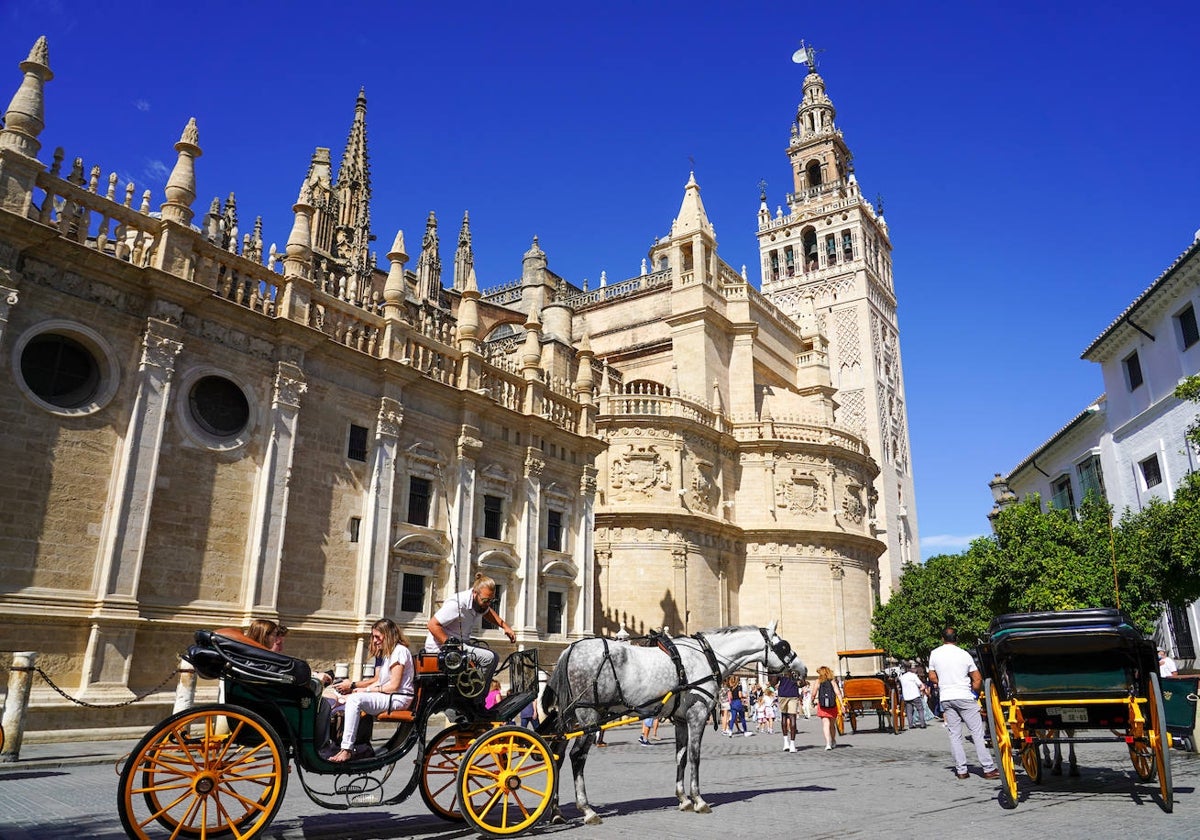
(218, 406)
(60, 371)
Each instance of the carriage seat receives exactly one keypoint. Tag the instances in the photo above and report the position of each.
(228, 652)
(427, 665)
(864, 688)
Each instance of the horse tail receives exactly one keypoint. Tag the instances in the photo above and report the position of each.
(550, 709)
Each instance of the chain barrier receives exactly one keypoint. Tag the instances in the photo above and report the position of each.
(120, 705)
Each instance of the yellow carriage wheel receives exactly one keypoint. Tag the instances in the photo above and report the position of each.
(840, 721)
(439, 768)
(506, 781)
(896, 703)
(209, 771)
(1001, 739)
(1031, 761)
(1160, 742)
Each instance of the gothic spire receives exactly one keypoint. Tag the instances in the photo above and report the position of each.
(692, 218)
(464, 257)
(352, 191)
(429, 264)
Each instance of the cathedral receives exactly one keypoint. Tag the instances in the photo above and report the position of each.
(201, 430)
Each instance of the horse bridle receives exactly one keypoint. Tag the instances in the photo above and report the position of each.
(780, 648)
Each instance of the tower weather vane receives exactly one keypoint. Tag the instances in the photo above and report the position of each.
(806, 55)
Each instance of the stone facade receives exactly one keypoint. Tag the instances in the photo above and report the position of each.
(198, 432)
(202, 431)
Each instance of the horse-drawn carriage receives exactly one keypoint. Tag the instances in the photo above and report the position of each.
(870, 690)
(1056, 678)
(222, 769)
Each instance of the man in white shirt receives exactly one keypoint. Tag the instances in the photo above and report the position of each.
(958, 680)
(1166, 665)
(913, 692)
(461, 615)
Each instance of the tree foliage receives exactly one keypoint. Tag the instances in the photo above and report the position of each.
(1189, 389)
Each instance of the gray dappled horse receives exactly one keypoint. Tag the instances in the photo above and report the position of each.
(598, 680)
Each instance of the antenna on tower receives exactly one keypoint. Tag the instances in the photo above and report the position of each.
(806, 55)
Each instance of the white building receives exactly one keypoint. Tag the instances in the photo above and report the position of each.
(1130, 444)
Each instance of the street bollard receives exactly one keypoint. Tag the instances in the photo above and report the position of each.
(185, 691)
(20, 679)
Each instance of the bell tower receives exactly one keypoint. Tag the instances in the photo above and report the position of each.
(827, 243)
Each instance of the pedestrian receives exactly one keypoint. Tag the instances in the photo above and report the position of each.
(829, 696)
(1166, 665)
(957, 677)
(760, 713)
(649, 731)
(913, 692)
(789, 705)
(772, 711)
(737, 708)
(725, 696)
(806, 700)
(529, 716)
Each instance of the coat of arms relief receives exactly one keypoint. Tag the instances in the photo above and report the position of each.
(801, 493)
(641, 470)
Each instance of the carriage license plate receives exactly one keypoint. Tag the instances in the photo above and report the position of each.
(1068, 714)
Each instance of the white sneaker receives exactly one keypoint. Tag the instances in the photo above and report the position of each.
(747, 733)
(787, 744)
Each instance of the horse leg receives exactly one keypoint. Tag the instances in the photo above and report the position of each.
(685, 803)
(1072, 763)
(579, 752)
(695, 731)
(558, 747)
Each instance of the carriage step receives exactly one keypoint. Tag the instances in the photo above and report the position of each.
(367, 799)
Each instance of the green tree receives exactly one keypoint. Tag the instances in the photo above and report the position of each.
(1052, 559)
(1158, 552)
(1189, 389)
(945, 590)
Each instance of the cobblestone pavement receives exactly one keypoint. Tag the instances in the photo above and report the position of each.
(874, 784)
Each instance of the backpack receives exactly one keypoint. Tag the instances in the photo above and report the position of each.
(826, 699)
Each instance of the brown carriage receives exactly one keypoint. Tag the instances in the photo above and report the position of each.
(867, 688)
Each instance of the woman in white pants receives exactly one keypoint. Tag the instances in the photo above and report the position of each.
(392, 687)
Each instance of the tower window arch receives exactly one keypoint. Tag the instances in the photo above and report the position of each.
(813, 170)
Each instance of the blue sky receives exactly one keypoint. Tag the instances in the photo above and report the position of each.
(1038, 162)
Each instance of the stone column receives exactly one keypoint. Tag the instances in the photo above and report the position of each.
(271, 496)
(585, 521)
(837, 576)
(679, 563)
(123, 539)
(530, 546)
(375, 538)
(16, 703)
(463, 527)
(773, 567)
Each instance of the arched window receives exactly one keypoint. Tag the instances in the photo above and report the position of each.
(814, 173)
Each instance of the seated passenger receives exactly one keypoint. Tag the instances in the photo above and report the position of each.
(263, 631)
(390, 689)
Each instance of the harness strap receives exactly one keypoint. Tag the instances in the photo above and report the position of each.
(667, 646)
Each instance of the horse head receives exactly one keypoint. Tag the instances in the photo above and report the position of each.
(780, 656)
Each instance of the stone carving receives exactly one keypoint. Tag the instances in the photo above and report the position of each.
(391, 416)
(705, 492)
(160, 351)
(801, 493)
(167, 311)
(289, 386)
(852, 503)
(534, 464)
(640, 470)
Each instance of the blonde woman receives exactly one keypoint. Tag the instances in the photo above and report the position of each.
(829, 697)
(391, 688)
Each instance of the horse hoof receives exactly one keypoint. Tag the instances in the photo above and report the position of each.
(557, 819)
(592, 819)
(704, 808)
(685, 806)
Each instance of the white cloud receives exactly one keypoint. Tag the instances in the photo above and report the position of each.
(156, 170)
(141, 105)
(945, 543)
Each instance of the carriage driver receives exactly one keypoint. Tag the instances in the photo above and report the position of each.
(460, 616)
